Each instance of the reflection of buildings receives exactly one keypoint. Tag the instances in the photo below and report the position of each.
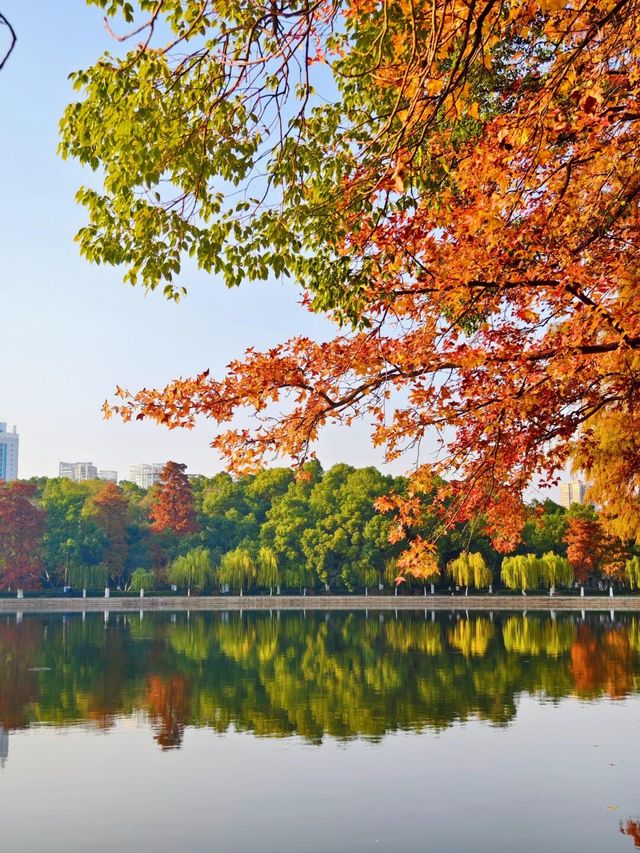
(9, 446)
(572, 493)
(4, 746)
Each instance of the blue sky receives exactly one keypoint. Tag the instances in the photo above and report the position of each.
(70, 332)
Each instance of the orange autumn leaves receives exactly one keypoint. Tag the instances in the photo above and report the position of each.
(485, 246)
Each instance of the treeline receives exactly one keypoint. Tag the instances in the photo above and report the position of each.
(343, 675)
(276, 531)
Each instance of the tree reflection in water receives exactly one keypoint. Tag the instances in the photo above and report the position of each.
(347, 675)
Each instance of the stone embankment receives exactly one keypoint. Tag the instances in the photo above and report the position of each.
(321, 602)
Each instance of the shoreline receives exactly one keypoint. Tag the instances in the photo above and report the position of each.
(337, 602)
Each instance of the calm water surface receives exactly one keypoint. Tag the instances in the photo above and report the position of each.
(319, 732)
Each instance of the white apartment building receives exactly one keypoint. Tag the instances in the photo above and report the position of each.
(145, 475)
(9, 447)
(78, 471)
(109, 476)
(572, 493)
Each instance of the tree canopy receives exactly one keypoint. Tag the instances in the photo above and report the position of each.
(455, 184)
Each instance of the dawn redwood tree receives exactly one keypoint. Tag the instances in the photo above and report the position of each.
(173, 504)
(109, 508)
(21, 531)
(455, 184)
(585, 544)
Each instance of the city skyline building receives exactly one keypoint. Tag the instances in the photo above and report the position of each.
(108, 476)
(572, 492)
(146, 475)
(78, 471)
(9, 451)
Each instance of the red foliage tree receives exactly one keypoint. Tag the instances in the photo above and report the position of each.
(110, 509)
(21, 529)
(585, 541)
(468, 201)
(632, 829)
(173, 508)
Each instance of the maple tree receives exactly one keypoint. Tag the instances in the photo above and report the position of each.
(455, 184)
(21, 529)
(173, 505)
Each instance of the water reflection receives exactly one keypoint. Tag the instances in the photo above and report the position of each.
(345, 675)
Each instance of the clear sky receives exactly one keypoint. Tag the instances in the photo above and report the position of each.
(70, 332)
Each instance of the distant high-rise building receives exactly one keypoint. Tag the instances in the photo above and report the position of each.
(78, 471)
(572, 493)
(145, 475)
(9, 446)
(109, 476)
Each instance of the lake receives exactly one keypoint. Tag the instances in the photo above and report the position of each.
(291, 732)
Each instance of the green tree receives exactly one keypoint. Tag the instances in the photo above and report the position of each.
(193, 569)
(73, 542)
(545, 529)
(142, 579)
(335, 546)
(237, 569)
(267, 569)
(285, 526)
(88, 575)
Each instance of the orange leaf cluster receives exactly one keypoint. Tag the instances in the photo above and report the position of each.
(500, 258)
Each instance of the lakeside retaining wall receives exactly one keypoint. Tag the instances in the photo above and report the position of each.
(334, 602)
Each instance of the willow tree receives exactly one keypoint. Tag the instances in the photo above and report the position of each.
(267, 572)
(556, 571)
(142, 579)
(524, 571)
(193, 569)
(455, 184)
(632, 571)
(237, 569)
(470, 569)
(88, 576)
